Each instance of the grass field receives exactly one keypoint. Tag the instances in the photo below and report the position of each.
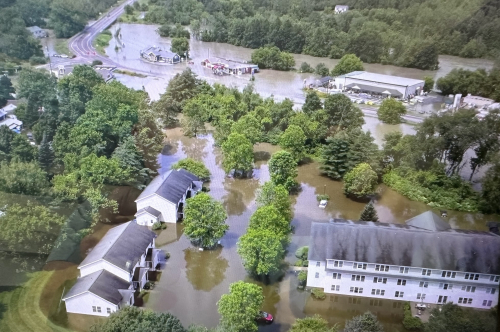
(102, 41)
(129, 73)
(28, 307)
(61, 47)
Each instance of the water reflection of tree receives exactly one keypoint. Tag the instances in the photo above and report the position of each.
(194, 147)
(240, 193)
(205, 269)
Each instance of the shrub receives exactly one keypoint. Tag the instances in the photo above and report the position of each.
(319, 198)
(318, 294)
(302, 252)
(167, 255)
(409, 322)
(306, 68)
(37, 60)
(302, 277)
(196, 167)
(159, 225)
(299, 263)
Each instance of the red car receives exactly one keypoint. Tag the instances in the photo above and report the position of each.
(265, 317)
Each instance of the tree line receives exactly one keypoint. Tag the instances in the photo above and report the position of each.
(410, 34)
(423, 167)
(90, 135)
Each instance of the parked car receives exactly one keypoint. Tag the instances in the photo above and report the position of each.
(323, 203)
(55, 55)
(30, 136)
(64, 56)
(265, 317)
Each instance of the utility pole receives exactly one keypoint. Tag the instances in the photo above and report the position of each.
(50, 60)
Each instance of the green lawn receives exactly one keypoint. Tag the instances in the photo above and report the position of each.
(23, 306)
(102, 41)
(61, 47)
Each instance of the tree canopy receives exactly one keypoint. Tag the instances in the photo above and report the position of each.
(348, 63)
(366, 322)
(240, 307)
(369, 213)
(237, 153)
(198, 168)
(283, 169)
(204, 220)
(312, 324)
(361, 181)
(293, 140)
(391, 110)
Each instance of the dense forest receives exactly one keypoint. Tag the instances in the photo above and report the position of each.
(404, 33)
(66, 17)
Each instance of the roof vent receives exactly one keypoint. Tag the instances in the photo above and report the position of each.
(127, 264)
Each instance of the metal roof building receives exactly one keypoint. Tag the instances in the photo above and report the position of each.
(391, 86)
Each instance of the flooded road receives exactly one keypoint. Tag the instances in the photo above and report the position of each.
(279, 84)
(193, 281)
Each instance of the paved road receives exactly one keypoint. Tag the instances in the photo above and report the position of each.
(373, 113)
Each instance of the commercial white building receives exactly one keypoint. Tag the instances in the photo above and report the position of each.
(387, 85)
(423, 260)
(339, 9)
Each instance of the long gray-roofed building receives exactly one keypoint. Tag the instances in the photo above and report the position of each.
(117, 266)
(163, 199)
(380, 84)
(423, 260)
(160, 54)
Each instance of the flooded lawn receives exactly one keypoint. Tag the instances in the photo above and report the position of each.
(193, 281)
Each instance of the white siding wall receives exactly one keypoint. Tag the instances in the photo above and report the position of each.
(82, 304)
(103, 265)
(146, 219)
(319, 276)
(412, 89)
(168, 210)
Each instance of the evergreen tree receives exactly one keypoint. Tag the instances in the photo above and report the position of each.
(335, 157)
(5, 90)
(369, 213)
(45, 154)
(312, 103)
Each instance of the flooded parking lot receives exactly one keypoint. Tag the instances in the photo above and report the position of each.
(193, 281)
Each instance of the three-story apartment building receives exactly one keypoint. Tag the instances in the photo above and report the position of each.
(423, 260)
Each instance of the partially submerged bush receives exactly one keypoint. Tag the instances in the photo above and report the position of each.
(318, 294)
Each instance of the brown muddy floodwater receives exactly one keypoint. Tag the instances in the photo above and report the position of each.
(279, 84)
(193, 281)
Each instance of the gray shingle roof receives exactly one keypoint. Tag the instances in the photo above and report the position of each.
(121, 245)
(150, 210)
(381, 78)
(430, 221)
(375, 89)
(101, 283)
(403, 245)
(171, 185)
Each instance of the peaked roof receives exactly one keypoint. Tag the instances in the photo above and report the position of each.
(101, 283)
(152, 211)
(122, 246)
(404, 245)
(171, 185)
(430, 221)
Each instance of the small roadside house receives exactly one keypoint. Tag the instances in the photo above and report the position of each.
(158, 54)
(164, 198)
(113, 270)
(38, 32)
(339, 9)
(11, 121)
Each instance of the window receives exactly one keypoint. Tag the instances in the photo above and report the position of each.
(335, 288)
(471, 289)
(404, 269)
(98, 309)
(465, 300)
(469, 301)
(471, 276)
(399, 294)
(489, 304)
(490, 290)
(484, 302)
(94, 309)
(445, 286)
(334, 298)
(357, 277)
(448, 274)
(108, 310)
(337, 275)
(378, 279)
(359, 266)
(426, 272)
(382, 268)
(442, 299)
(424, 284)
(358, 290)
(401, 282)
(376, 303)
(355, 300)
(316, 275)
(378, 292)
(318, 263)
(420, 296)
(338, 263)
(495, 278)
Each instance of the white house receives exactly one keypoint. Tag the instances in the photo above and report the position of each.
(116, 267)
(164, 198)
(423, 260)
(38, 32)
(339, 9)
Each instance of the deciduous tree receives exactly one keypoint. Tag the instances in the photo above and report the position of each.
(361, 181)
(180, 46)
(268, 218)
(261, 251)
(348, 63)
(283, 169)
(196, 167)
(6, 89)
(240, 307)
(204, 220)
(23, 178)
(342, 113)
(367, 322)
(276, 195)
(312, 324)
(293, 140)
(249, 126)
(312, 103)
(390, 111)
(238, 154)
